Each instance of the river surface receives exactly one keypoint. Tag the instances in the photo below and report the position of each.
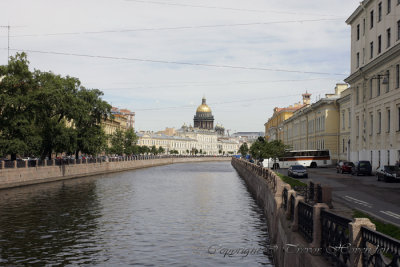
(194, 214)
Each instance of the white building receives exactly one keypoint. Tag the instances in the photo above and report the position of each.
(375, 82)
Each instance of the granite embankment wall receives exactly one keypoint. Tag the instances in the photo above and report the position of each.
(290, 247)
(34, 175)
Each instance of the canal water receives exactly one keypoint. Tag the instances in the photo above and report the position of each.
(194, 214)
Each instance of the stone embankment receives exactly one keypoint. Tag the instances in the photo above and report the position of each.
(12, 177)
(304, 232)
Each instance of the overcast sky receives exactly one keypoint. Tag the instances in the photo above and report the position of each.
(233, 49)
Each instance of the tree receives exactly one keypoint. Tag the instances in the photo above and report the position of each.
(243, 150)
(187, 151)
(161, 150)
(130, 142)
(154, 150)
(117, 142)
(18, 134)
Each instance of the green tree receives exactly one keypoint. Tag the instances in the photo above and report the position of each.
(161, 150)
(117, 142)
(130, 142)
(154, 150)
(18, 134)
(243, 150)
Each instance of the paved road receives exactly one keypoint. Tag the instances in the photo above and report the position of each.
(364, 193)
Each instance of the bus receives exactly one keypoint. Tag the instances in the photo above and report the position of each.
(307, 158)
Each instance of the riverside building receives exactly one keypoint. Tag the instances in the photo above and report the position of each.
(375, 82)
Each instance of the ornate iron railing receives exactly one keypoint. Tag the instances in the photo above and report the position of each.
(379, 249)
(311, 192)
(291, 207)
(306, 224)
(8, 164)
(285, 198)
(20, 164)
(335, 233)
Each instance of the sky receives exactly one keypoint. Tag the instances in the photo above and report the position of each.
(159, 58)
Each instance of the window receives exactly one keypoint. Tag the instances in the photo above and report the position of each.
(398, 118)
(343, 146)
(370, 88)
(358, 60)
(371, 47)
(358, 32)
(358, 126)
(380, 11)
(398, 30)
(388, 120)
(379, 44)
(371, 124)
(389, 6)
(371, 19)
(397, 76)
(388, 81)
(343, 122)
(388, 37)
(363, 62)
(379, 122)
(349, 118)
(364, 26)
(378, 88)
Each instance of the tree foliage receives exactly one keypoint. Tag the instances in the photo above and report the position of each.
(262, 149)
(244, 149)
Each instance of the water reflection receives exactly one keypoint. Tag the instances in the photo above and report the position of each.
(168, 215)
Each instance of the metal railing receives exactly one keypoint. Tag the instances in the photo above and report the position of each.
(379, 249)
(292, 203)
(306, 224)
(335, 233)
(319, 193)
(311, 192)
(285, 198)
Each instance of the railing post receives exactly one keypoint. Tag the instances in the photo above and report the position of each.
(295, 225)
(317, 230)
(3, 164)
(15, 164)
(53, 162)
(355, 238)
(290, 193)
(26, 163)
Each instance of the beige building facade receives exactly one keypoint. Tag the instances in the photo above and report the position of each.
(316, 126)
(375, 82)
(344, 125)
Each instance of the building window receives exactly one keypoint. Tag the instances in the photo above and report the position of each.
(343, 146)
(349, 118)
(343, 122)
(371, 19)
(363, 62)
(358, 60)
(371, 48)
(379, 122)
(388, 81)
(358, 32)
(398, 30)
(380, 11)
(397, 76)
(371, 124)
(388, 120)
(398, 119)
(358, 126)
(388, 37)
(364, 26)
(379, 44)
(389, 6)
(370, 88)
(378, 88)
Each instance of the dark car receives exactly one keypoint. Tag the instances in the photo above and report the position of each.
(297, 171)
(361, 167)
(344, 166)
(388, 173)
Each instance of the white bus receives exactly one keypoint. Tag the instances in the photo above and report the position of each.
(307, 158)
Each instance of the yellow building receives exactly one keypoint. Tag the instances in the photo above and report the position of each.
(316, 126)
(110, 125)
(274, 126)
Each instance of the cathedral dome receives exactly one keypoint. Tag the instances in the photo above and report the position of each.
(203, 108)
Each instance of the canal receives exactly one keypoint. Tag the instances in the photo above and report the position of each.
(194, 214)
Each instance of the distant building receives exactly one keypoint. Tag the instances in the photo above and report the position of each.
(274, 125)
(204, 118)
(247, 137)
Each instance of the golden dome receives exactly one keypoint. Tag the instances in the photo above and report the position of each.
(203, 108)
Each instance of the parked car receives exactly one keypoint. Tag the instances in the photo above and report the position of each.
(297, 171)
(361, 167)
(344, 166)
(388, 173)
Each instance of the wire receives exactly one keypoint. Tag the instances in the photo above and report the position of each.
(222, 103)
(225, 8)
(173, 28)
(175, 62)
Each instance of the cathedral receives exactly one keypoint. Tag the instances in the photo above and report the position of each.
(204, 118)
